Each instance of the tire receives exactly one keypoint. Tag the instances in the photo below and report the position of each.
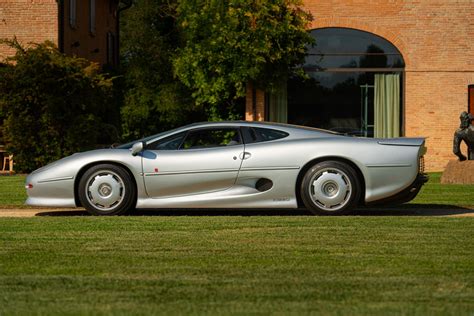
(330, 188)
(107, 189)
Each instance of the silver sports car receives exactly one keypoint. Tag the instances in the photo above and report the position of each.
(235, 165)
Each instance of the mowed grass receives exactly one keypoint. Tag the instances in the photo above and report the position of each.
(356, 265)
(12, 190)
(237, 265)
(434, 192)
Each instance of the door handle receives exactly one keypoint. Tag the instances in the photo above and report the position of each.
(245, 155)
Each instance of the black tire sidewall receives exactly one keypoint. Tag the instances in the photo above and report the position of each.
(129, 200)
(354, 181)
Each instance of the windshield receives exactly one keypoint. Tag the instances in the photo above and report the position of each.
(146, 139)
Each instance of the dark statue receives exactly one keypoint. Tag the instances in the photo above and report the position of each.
(465, 133)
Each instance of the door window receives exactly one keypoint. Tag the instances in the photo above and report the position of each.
(208, 138)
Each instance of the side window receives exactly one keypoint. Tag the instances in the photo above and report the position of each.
(215, 137)
(257, 134)
(169, 143)
(92, 16)
(72, 13)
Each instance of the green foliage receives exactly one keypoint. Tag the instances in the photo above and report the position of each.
(230, 43)
(52, 105)
(154, 100)
(190, 60)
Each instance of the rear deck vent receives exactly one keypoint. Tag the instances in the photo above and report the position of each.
(421, 165)
(263, 185)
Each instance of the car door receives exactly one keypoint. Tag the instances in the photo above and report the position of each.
(262, 152)
(198, 161)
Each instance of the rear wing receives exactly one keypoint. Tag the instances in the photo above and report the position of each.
(402, 141)
(413, 142)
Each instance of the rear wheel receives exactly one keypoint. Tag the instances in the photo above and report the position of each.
(330, 188)
(107, 190)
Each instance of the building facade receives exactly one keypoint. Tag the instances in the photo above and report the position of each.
(382, 69)
(83, 28)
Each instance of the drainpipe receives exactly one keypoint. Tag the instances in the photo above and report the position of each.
(254, 103)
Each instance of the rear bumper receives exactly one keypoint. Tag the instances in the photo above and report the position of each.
(405, 195)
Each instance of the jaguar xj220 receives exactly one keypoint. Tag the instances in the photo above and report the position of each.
(235, 165)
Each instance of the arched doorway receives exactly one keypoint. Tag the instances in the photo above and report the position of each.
(353, 85)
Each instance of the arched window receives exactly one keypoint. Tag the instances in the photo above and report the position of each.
(342, 48)
(353, 85)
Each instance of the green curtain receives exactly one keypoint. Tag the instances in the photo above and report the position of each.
(278, 104)
(387, 106)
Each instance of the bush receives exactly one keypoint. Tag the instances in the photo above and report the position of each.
(52, 105)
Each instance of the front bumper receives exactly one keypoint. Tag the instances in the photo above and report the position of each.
(54, 192)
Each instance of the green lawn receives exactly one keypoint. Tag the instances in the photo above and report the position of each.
(12, 190)
(434, 192)
(235, 264)
(362, 265)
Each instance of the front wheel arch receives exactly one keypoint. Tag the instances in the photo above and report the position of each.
(81, 172)
(311, 163)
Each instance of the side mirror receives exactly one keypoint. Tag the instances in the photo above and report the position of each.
(137, 148)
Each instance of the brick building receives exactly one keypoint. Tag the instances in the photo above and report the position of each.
(409, 61)
(84, 28)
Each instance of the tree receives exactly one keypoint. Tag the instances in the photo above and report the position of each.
(190, 60)
(53, 105)
(154, 100)
(230, 43)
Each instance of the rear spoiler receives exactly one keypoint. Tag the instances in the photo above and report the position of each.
(402, 141)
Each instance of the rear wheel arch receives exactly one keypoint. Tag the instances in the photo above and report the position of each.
(81, 172)
(315, 161)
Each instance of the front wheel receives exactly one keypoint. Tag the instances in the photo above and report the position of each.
(107, 190)
(330, 188)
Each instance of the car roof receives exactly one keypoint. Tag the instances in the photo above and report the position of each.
(262, 124)
(294, 131)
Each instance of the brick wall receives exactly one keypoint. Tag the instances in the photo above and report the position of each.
(79, 41)
(29, 21)
(436, 39)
